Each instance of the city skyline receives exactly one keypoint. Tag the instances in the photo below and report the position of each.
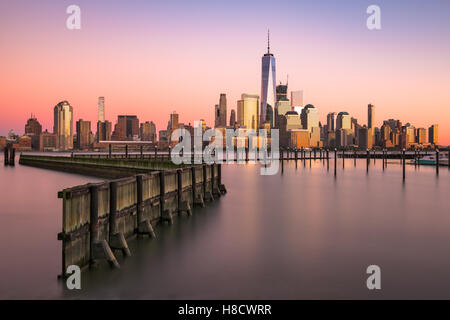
(340, 66)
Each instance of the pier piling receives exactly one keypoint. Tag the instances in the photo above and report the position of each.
(403, 164)
(437, 161)
(6, 156)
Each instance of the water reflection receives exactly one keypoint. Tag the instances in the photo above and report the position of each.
(301, 235)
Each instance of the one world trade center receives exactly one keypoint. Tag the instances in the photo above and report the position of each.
(268, 86)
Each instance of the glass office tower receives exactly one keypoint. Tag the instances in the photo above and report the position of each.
(268, 86)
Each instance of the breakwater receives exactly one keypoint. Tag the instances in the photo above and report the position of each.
(99, 218)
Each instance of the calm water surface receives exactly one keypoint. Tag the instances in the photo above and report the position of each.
(300, 235)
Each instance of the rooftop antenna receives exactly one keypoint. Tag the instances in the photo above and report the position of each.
(268, 41)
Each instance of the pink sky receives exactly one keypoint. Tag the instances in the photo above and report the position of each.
(151, 65)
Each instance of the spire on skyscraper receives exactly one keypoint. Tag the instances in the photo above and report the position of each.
(268, 41)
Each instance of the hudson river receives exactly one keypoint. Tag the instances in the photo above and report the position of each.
(301, 235)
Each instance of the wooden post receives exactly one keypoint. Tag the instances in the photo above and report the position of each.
(93, 221)
(156, 151)
(296, 158)
(367, 160)
(282, 162)
(328, 161)
(162, 192)
(142, 152)
(126, 151)
(335, 160)
(343, 158)
(6, 155)
(204, 181)
(437, 161)
(180, 188)
(383, 157)
(403, 164)
(140, 198)
(12, 157)
(194, 189)
(109, 150)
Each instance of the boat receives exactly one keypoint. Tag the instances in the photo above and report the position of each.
(431, 159)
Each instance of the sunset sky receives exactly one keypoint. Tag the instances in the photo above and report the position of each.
(150, 58)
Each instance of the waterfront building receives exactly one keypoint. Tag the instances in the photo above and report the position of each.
(104, 130)
(331, 121)
(268, 85)
(83, 134)
(433, 134)
(247, 111)
(299, 138)
(33, 129)
(421, 136)
(309, 117)
(148, 131)
(343, 121)
(126, 128)
(48, 141)
(363, 138)
(63, 125)
(293, 120)
(283, 106)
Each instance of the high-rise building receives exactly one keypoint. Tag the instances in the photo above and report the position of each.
(33, 129)
(309, 117)
(247, 111)
(283, 106)
(63, 125)
(104, 131)
(281, 90)
(433, 134)
(232, 118)
(370, 124)
(268, 85)
(363, 138)
(297, 98)
(343, 121)
(83, 134)
(126, 128)
(370, 116)
(421, 136)
(148, 131)
(220, 112)
(101, 109)
(331, 121)
(173, 122)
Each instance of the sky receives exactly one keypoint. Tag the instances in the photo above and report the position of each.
(150, 58)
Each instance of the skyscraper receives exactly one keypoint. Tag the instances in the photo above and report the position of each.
(247, 111)
(104, 131)
(370, 116)
(83, 134)
(268, 85)
(331, 121)
(63, 125)
(281, 91)
(101, 109)
(232, 118)
(148, 131)
(126, 128)
(220, 112)
(433, 134)
(370, 124)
